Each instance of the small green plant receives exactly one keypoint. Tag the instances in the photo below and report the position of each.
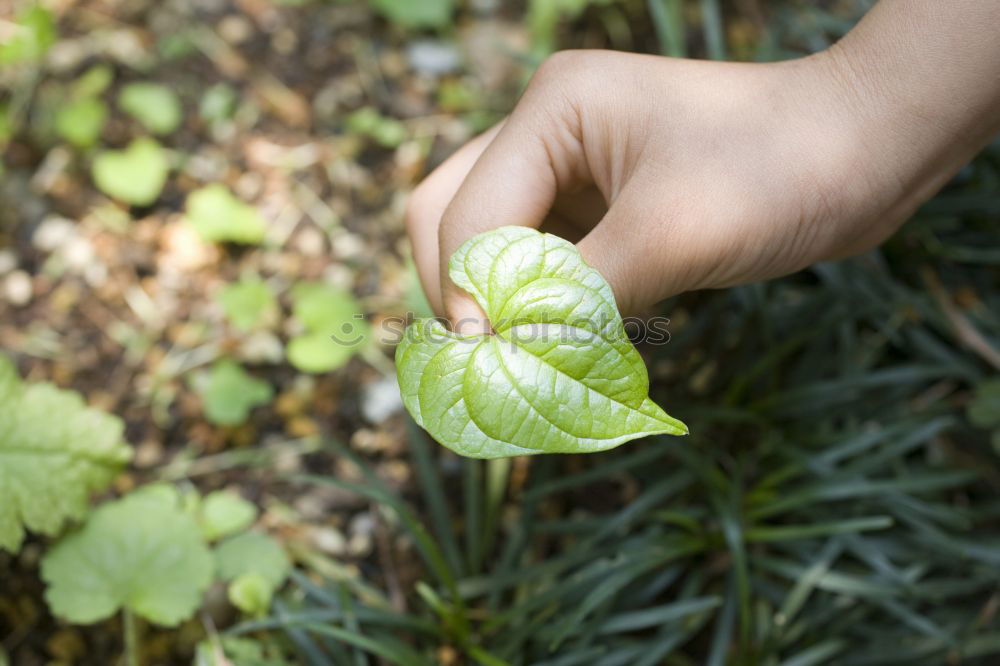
(34, 32)
(219, 217)
(154, 105)
(233, 651)
(218, 103)
(229, 393)
(386, 132)
(148, 555)
(334, 328)
(50, 466)
(135, 175)
(223, 513)
(81, 119)
(249, 303)
(416, 14)
(559, 376)
(255, 566)
(143, 553)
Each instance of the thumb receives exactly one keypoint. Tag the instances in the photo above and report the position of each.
(514, 182)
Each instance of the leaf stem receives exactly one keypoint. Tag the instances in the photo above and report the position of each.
(131, 638)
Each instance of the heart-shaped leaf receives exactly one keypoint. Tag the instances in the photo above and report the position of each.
(143, 552)
(135, 175)
(223, 513)
(560, 374)
(219, 217)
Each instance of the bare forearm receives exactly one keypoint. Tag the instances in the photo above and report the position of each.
(922, 79)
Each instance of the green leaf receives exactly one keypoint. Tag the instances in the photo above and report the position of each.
(33, 33)
(142, 552)
(335, 327)
(135, 175)
(317, 353)
(80, 121)
(224, 513)
(324, 308)
(983, 410)
(367, 121)
(252, 552)
(559, 376)
(218, 103)
(93, 82)
(411, 14)
(220, 217)
(229, 393)
(155, 106)
(234, 651)
(251, 593)
(49, 466)
(249, 303)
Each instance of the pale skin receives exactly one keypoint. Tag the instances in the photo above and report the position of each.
(673, 175)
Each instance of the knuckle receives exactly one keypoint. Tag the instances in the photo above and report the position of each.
(559, 68)
(416, 207)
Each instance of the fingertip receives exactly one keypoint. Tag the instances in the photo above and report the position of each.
(464, 315)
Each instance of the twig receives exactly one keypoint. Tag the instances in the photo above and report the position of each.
(967, 334)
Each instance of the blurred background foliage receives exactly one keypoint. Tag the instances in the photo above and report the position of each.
(195, 194)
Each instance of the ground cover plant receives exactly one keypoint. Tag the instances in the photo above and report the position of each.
(204, 455)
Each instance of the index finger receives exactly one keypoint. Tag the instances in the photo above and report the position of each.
(427, 205)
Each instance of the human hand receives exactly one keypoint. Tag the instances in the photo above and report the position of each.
(676, 174)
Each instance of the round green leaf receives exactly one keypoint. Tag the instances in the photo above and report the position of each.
(80, 121)
(135, 175)
(142, 552)
(560, 374)
(154, 105)
(335, 327)
(316, 353)
(228, 393)
(323, 308)
(248, 303)
(252, 552)
(251, 593)
(220, 217)
(224, 513)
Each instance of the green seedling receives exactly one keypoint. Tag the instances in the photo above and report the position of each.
(135, 175)
(154, 105)
(219, 217)
(334, 328)
(229, 393)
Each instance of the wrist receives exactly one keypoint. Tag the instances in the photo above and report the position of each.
(914, 104)
(895, 151)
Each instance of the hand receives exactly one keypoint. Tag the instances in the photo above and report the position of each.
(676, 174)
